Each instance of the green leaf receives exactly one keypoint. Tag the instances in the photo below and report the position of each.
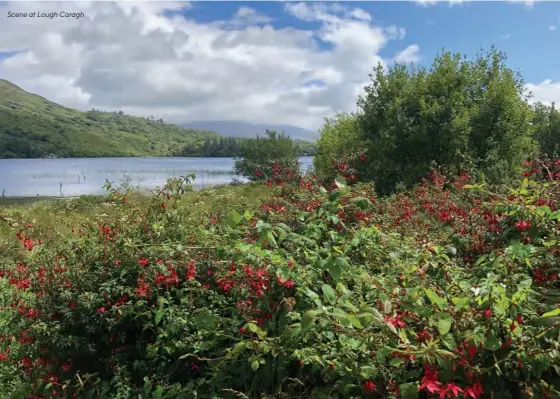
(492, 342)
(444, 323)
(460, 303)
(552, 313)
(355, 321)
(158, 316)
(255, 365)
(543, 210)
(554, 215)
(449, 342)
(233, 218)
(158, 393)
(340, 182)
(436, 299)
(409, 390)
(329, 293)
(308, 318)
(335, 271)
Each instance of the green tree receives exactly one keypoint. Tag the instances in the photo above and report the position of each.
(457, 113)
(258, 157)
(339, 136)
(546, 125)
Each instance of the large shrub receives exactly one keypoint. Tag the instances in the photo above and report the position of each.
(262, 158)
(340, 136)
(458, 113)
(546, 126)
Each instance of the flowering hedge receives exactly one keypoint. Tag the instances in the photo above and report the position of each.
(449, 290)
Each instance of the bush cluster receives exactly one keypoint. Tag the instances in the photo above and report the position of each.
(448, 290)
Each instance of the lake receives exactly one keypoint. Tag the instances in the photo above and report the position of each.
(71, 177)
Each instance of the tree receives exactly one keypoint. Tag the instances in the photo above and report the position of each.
(546, 128)
(339, 136)
(459, 114)
(259, 157)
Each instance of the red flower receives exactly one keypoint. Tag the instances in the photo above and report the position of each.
(474, 391)
(101, 310)
(369, 386)
(519, 319)
(523, 225)
(27, 243)
(452, 389)
(289, 284)
(488, 313)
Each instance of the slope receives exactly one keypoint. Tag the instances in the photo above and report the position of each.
(33, 127)
(250, 130)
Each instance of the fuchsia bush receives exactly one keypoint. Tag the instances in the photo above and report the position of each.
(450, 290)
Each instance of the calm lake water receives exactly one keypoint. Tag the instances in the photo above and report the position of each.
(80, 176)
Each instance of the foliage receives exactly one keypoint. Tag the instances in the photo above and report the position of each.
(546, 125)
(339, 137)
(459, 114)
(230, 147)
(263, 158)
(448, 290)
(32, 127)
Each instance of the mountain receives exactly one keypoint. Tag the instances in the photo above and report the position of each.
(244, 129)
(33, 127)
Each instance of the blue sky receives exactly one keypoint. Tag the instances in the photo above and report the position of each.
(262, 62)
(530, 35)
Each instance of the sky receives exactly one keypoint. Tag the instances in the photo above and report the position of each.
(263, 62)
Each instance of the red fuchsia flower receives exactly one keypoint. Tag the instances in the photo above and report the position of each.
(424, 336)
(488, 313)
(65, 367)
(369, 385)
(289, 284)
(523, 225)
(519, 319)
(143, 261)
(429, 381)
(101, 310)
(474, 391)
(450, 390)
(395, 321)
(27, 243)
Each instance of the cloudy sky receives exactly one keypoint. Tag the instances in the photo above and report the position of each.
(263, 62)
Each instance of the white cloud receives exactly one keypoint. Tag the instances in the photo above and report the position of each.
(429, 3)
(249, 16)
(546, 92)
(409, 54)
(136, 58)
(553, 27)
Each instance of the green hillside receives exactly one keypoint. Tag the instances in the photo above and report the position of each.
(33, 127)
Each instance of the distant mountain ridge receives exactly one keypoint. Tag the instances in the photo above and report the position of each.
(250, 130)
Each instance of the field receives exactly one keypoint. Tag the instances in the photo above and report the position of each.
(286, 290)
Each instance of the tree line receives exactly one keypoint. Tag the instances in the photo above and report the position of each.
(236, 146)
